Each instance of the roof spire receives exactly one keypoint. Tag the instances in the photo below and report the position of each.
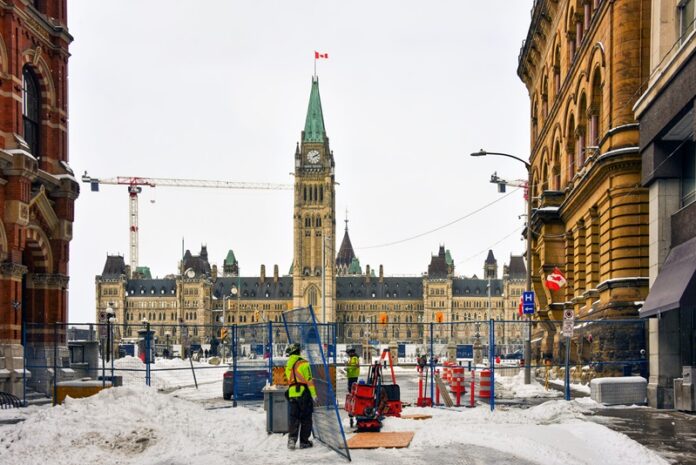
(346, 220)
(314, 130)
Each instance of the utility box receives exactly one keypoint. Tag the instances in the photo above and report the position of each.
(684, 391)
(277, 408)
(625, 390)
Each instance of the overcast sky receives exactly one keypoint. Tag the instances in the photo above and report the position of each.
(218, 90)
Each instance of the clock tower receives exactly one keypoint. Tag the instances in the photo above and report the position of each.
(314, 220)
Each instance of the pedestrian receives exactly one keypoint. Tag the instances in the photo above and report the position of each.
(301, 395)
(352, 367)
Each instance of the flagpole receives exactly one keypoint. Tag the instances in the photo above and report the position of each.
(315, 64)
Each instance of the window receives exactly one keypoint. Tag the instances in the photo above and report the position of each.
(688, 180)
(31, 110)
(686, 18)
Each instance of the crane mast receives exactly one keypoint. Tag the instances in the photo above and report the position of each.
(135, 187)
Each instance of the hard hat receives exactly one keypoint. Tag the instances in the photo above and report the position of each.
(292, 349)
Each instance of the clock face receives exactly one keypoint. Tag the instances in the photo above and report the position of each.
(313, 156)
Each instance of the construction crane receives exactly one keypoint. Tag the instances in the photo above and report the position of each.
(135, 186)
(495, 179)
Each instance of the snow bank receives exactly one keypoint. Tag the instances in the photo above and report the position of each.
(139, 425)
(166, 374)
(510, 387)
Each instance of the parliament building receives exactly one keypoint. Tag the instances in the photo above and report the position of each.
(193, 302)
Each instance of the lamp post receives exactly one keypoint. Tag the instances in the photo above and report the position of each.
(167, 335)
(110, 320)
(528, 287)
(233, 292)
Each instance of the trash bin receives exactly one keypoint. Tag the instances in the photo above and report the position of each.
(276, 406)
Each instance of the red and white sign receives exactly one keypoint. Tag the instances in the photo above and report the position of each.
(555, 280)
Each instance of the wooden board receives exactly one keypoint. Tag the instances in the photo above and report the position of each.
(416, 416)
(443, 392)
(396, 440)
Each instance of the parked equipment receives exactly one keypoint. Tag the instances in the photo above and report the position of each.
(369, 402)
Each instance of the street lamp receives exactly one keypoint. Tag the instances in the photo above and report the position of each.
(528, 166)
(167, 335)
(232, 294)
(110, 320)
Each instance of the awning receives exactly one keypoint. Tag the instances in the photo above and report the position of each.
(675, 285)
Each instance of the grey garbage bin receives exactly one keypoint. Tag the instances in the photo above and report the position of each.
(276, 406)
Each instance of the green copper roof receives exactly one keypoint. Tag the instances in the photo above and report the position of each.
(314, 125)
(230, 260)
(143, 271)
(354, 267)
(448, 258)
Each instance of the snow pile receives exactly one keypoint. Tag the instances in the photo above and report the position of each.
(139, 425)
(167, 374)
(510, 387)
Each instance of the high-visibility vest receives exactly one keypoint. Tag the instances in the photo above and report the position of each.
(353, 367)
(299, 375)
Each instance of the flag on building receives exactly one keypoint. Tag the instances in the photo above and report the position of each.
(318, 55)
(520, 310)
(555, 280)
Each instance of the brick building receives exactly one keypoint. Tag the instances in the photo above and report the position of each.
(583, 63)
(37, 187)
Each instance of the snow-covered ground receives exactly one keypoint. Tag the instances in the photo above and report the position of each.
(135, 424)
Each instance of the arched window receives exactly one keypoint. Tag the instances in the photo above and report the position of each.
(595, 109)
(31, 110)
(545, 97)
(580, 132)
(556, 167)
(570, 149)
(312, 297)
(557, 71)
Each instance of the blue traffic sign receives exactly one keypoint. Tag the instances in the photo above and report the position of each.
(528, 302)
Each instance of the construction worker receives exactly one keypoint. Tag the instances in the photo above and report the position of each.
(301, 394)
(352, 367)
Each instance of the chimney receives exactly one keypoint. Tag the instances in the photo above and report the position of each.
(262, 277)
(367, 273)
(214, 272)
(275, 273)
(381, 273)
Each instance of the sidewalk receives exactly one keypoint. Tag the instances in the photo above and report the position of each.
(670, 433)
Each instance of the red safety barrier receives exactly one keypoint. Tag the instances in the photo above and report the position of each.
(437, 389)
(485, 384)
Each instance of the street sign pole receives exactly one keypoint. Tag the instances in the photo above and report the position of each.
(528, 309)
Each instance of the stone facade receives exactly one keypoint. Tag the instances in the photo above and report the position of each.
(37, 186)
(668, 148)
(583, 63)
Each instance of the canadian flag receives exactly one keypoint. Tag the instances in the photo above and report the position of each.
(555, 280)
(519, 308)
(318, 55)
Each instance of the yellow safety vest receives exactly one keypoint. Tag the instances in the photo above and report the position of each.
(299, 375)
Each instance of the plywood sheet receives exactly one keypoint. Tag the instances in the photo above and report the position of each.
(416, 416)
(397, 440)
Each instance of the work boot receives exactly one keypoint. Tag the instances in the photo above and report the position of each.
(291, 443)
(306, 445)
(351, 422)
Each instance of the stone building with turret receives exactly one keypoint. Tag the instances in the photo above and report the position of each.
(192, 304)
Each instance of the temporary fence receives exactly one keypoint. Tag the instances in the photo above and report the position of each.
(178, 356)
(301, 327)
